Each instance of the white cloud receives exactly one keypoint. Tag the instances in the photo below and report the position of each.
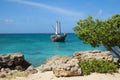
(100, 12)
(6, 21)
(51, 8)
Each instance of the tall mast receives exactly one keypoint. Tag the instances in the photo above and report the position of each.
(60, 27)
(56, 28)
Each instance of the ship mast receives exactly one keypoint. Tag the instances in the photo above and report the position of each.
(60, 27)
(57, 26)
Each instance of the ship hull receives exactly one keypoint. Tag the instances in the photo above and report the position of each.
(58, 38)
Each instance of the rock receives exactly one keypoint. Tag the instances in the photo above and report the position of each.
(31, 70)
(19, 68)
(71, 68)
(13, 63)
(96, 54)
(73, 61)
(7, 70)
(2, 70)
(119, 70)
(63, 66)
(26, 64)
(13, 60)
(59, 59)
(3, 74)
(53, 62)
(64, 73)
(18, 58)
(115, 60)
(95, 51)
(45, 67)
(10, 63)
(4, 57)
(12, 72)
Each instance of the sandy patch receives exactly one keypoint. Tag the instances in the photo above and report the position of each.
(50, 76)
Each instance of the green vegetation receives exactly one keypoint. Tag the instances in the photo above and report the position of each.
(99, 66)
(97, 32)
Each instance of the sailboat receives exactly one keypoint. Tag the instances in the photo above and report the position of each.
(58, 36)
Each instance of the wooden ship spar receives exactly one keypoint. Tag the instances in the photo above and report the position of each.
(58, 36)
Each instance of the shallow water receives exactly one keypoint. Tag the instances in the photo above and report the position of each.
(38, 47)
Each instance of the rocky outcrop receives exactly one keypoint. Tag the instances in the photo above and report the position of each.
(63, 66)
(6, 71)
(31, 70)
(71, 68)
(14, 61)
(53, 62)
(96, 54)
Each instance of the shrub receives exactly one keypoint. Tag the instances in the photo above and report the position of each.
(99, 66)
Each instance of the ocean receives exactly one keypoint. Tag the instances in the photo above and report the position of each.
(38, 47)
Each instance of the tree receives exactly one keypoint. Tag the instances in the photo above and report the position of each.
(97, 32)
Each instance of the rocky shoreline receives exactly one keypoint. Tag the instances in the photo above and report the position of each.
(61, 66)
(13, 63)
(64, 66)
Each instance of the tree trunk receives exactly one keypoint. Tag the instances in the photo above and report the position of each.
(111, 49)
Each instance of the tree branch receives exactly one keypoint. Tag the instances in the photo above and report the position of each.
(117, 53)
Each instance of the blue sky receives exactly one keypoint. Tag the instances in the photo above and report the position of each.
(38, 16)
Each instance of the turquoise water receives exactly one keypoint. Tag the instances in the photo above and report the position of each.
(38, 47)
